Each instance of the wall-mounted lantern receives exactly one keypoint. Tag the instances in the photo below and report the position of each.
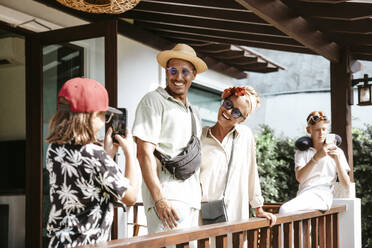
(364, 90)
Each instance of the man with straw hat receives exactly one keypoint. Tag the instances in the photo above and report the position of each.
(164, 123)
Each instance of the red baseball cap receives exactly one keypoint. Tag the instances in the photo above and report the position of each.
(85, 96)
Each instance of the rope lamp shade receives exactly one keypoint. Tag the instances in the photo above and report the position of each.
(100, 6)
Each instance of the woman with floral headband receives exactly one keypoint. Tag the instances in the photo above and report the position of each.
(240, 176)
(317, 169)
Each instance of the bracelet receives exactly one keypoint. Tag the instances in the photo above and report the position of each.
(314, 160)
(157, 202)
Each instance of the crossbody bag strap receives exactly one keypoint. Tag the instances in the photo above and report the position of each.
(193, 123)
(229, 164)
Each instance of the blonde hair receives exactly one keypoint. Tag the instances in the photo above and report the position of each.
(252, 98)
(69, 127)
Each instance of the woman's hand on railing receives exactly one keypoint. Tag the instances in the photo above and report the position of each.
(262, 214)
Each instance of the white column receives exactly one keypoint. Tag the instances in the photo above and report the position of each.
(350, 230)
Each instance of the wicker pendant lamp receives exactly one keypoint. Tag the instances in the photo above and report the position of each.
(100, 6)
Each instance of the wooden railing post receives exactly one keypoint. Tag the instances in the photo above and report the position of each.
(306, 233)
(314, 232)
(297, 236)
(288, 235)
(203, 243)
(329, 231)
(265, 237)
(183, 245)
(277, 236)
(252, 238)
(335, 230)
(238, 239)
(322, 232)
(221, 241)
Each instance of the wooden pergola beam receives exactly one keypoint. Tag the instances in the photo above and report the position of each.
(221, 4)
(349, 10)
(241, 15)
(351, 39)
(189, 38)
(341, 26)
(198, 22)
(280, 16)
(223, 34)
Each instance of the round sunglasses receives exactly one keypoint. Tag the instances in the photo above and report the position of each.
(174, 71)
(235, 112)
(316, 118)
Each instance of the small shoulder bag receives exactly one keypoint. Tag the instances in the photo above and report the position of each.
(188, 161)
(215, 211)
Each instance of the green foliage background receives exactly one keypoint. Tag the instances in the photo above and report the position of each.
(275, 159)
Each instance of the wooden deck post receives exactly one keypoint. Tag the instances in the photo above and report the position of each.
(341, 93)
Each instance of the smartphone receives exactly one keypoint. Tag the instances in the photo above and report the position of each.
(330, 139)
(119, 124)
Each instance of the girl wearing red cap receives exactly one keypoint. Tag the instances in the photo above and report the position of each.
(84, 179)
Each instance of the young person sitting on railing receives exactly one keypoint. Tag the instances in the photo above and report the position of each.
(229, 170)
(84, 179)
(317, 169)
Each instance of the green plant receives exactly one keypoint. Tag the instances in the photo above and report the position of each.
(362, 150)
(275, 166)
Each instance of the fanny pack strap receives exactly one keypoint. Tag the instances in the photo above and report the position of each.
(161, 156)
(229, 164)
(193, 123)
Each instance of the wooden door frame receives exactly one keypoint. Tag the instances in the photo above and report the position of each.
(34, 107)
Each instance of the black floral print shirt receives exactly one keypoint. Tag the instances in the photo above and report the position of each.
(84, 184)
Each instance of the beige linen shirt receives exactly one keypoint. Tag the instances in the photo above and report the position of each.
(166, 122)
(243, 186)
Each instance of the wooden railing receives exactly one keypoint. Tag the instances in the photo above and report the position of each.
(315, 229)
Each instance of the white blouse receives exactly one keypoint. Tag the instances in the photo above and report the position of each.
(243, 185)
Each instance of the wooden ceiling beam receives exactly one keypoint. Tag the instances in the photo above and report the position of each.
(350, 10)
(204, 23)
(351, 39)
(359, 56)
(219, 66)
(225, 34)
(190, 39)
(296, 27)
(239, 16)
(361, 49)
(220, 4)
(239, 42)
(265, 70)
(324, 1)
(363, 26)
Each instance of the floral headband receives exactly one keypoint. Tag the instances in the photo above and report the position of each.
(236, 91)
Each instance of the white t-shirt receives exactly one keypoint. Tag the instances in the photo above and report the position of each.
(323, 175)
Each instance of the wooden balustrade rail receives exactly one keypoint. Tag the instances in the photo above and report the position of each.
(317, 229)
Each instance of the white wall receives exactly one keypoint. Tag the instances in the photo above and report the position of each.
(286, 114)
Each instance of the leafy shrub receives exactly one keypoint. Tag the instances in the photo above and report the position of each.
(275, 160)
(362, 149)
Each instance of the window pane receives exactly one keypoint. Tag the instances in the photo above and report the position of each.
(207, 103)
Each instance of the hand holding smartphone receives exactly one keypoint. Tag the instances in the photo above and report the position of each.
(118, 122)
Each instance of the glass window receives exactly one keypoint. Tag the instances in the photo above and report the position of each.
(207, 101)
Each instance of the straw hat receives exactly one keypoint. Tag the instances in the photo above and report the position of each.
(101, 6)
(185, 52)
